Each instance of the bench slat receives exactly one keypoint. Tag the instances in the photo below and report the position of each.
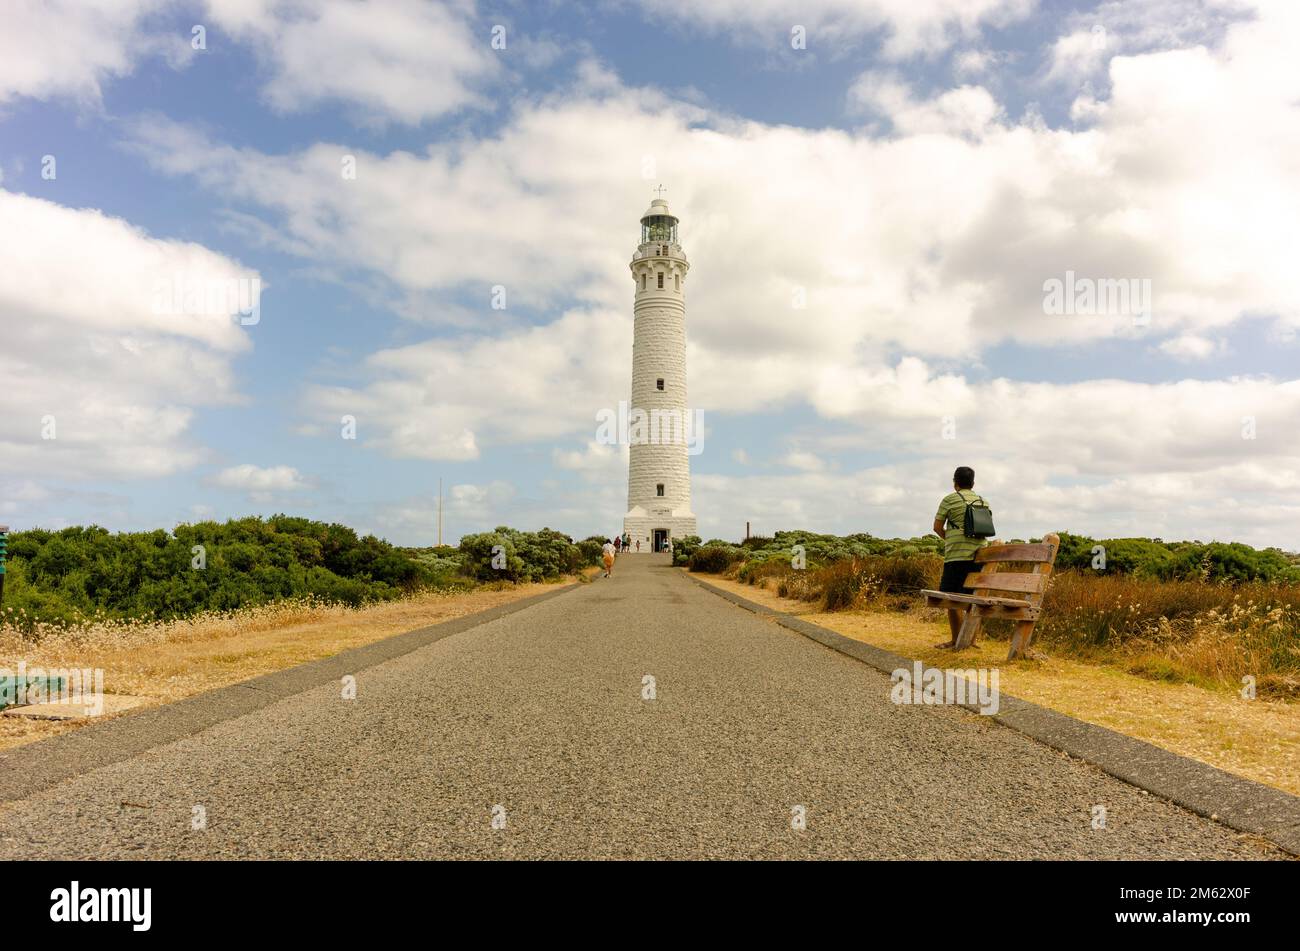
(1000, 612)
(932, 596)
(1008, 581)
(982, 610)
(1036, 552)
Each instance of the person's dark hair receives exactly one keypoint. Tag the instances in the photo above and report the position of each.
(964, 477)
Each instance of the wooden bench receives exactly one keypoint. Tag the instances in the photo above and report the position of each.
(1003, 591)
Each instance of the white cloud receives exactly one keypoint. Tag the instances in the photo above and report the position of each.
(964, 111)
(25, 503)
(1126, 27)
(262, 484)
(1080, 54)
(909, 26)
(803, 460)
(91, 358)
(941, 249)
(387, 60)
(1191, 347)
(472, 507)
(441, 398)
(977, 62)
(51, 48)
(402, 60)
(596, 461)
(1103, 427)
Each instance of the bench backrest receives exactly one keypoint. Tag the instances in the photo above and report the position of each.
(1016, 571)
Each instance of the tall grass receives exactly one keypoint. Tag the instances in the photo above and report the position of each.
(166, 660)
(1179, 630)
(1212, 634)
(19, 633)
(882, 581)
(714, 559)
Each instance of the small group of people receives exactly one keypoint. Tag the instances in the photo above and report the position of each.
(616, 546)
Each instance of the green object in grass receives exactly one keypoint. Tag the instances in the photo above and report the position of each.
(34, 689)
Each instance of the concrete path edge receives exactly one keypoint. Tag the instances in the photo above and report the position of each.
(28, 769)
(1240, 803)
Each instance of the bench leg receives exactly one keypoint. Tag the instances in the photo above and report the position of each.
(970, 626)
(1024, 633)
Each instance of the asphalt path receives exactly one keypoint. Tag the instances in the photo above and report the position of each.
(639, 716)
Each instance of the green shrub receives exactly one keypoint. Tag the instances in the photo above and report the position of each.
(507, 554)
(73, 574)
(1177, 561)
(590, 551)
(684, 548)
(715, 557)
(443, 562)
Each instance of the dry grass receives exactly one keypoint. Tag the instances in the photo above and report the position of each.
(163, 662)
(1207, 634)
(1211, 635)
(1257, 739)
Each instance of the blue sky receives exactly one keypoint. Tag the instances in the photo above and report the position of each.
(917, 171)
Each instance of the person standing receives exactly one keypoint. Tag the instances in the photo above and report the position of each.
(608, 557)
(958, 548)
(618, 544)
(638, 546)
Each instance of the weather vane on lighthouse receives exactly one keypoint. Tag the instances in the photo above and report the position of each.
(660, 190)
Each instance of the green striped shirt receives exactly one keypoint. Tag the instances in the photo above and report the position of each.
(956, 546)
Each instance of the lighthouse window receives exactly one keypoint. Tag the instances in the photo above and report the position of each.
(661, 280)
(677, 282)
(659, 383)
(658, 229)
(659, 490)
(642, 282)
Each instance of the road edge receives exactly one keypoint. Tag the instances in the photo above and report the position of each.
(1243, 804)
(33, 767)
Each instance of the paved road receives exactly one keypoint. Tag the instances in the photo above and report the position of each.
(541, 713)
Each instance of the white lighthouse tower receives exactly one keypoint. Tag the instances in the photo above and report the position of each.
(659, 471)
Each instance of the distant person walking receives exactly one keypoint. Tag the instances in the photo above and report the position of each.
(958, 549)
(638, 546)
(608, 557)
(618, 544)
(627, 541)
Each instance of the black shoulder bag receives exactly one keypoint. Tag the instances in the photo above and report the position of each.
(978, 520)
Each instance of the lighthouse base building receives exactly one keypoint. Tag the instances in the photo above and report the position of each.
(659, 470)
(657, 528)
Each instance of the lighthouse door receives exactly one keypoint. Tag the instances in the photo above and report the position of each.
(661, 539)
